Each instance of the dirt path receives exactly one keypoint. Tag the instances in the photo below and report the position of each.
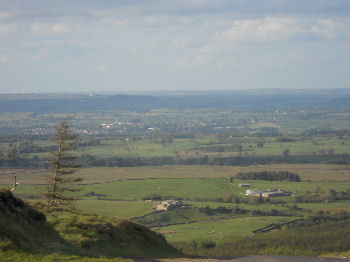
(252, 259)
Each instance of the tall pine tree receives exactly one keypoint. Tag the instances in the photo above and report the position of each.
(62, 165)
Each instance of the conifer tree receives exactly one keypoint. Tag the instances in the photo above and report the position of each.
(62, 165)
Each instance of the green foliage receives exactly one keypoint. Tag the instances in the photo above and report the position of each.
(12, 152)
(20, 256)
(269, 176)
(153, 197)
(330, 196)
(208, 244)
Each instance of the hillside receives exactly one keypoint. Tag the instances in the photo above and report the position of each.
(27, 232)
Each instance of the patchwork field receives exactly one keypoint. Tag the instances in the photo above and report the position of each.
(119, 192)
(217, 230)
(134, 155)
(206, 146)
(91, 175)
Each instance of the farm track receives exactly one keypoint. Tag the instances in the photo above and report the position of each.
(252, 259)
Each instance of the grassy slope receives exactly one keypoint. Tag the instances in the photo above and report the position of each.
(308, 239)
(127, 209)
(19, 256)
(103, 236)
(73, 233)
(201, 231)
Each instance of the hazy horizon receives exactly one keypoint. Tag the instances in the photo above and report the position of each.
(334, 91)
(165, 46)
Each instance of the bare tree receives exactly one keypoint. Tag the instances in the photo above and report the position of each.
(62, 165)
(286, 152)
(12, 152)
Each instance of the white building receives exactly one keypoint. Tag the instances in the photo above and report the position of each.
(168, 205)
(253, 192)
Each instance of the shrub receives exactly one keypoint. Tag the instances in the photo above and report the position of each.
(154, 197)
(207, 244)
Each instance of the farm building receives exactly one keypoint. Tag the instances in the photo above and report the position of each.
(268, 193)
(244, 185)
(253, 192)
(168, 205)
(274, 193)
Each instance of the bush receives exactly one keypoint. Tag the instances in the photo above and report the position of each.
(207, 244)
(270, 176)
(154, 197)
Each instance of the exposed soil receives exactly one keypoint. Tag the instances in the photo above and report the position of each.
(253, 259)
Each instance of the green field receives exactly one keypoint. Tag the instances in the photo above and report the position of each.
(207, 187)
(138, 189)
(307, 172)
(119, 191)
(195, 188)
(216, 230)
(124, 199)
(201, 146)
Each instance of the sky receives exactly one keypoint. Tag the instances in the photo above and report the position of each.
(159, 45)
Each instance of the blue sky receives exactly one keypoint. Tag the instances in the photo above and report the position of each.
(127, 46)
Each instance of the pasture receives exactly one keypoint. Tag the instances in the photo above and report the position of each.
(93, 175)
(118, 192)
(218, 230)
(195, 189)
(153, 145)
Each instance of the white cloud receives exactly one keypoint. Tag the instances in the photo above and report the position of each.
(116, 22)
(207, 49)
(47, 29)
(6, 15)
(61, 29)
(198, 3)
(327, 28)
(270, 29)
(4, 58)
(152, 20)
(192, 62)
(41, 54)
(6, 29)
(179, 43)
(276, 29)
(201, 60)
(186, 20)
(181, 63)
(102, 13)
(128, 16)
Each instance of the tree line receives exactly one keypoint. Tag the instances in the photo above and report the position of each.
(329, 196)
(88, 160)
(269, 176)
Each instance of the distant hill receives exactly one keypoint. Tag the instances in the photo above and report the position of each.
(250, 99)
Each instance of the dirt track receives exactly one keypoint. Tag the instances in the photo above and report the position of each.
(252, 259)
